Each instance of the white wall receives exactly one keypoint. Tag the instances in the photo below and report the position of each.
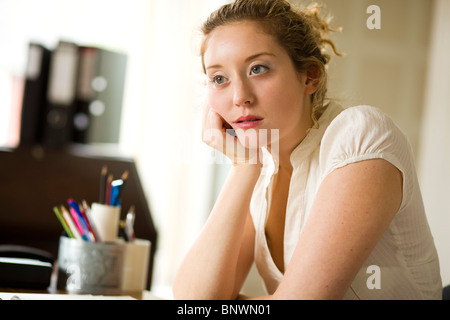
(385, 68)
(434, 160)
(172, 159)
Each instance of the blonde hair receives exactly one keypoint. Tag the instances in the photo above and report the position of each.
(302, 33)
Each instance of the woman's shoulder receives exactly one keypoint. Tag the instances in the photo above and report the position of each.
(361, 115)
(361, 122)
(362, 132)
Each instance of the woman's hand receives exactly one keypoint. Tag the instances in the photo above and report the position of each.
(218, 134)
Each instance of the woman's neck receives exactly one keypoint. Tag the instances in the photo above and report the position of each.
(286, 145)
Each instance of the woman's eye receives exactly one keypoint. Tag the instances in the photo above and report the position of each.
(219, 79)
(258, 69)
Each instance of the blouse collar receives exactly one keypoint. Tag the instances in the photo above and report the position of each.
(314, 136)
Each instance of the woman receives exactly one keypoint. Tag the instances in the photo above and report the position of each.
(329, 206)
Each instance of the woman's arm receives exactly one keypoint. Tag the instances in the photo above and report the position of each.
(353, 207)
(218, 263)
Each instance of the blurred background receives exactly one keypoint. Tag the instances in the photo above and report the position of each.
(402, 68)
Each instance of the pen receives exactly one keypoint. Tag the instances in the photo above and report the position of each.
(122, 226)
(129, 224)
(116, 185)
(124, 179)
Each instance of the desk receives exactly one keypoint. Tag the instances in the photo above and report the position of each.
(51, 294)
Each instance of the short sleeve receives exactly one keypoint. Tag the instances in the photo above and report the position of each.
(363, 133)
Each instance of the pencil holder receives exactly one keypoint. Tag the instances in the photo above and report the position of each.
(90, 267)
(106, 220)
(135, 270)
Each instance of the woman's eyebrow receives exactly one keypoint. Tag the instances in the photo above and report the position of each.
(253, 56)
(215, 66)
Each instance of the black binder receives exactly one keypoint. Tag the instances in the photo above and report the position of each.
(61, 91)
(34, 96)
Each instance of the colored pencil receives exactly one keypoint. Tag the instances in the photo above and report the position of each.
(103, 176)
(77, 222)
(84, 221)
(63, 222)
(87, 211)
(108, 189)
(70, 223)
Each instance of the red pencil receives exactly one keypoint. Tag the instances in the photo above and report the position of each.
(108, 189)
(88, 222)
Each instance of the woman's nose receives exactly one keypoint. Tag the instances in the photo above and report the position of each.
(243, 94)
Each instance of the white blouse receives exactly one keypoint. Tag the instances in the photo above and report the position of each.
(405, 255)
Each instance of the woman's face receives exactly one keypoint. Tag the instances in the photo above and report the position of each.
(253, 83)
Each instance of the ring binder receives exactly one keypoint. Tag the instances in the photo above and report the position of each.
(99, 96)
(34, 96)
(58, 122)
(72, 94)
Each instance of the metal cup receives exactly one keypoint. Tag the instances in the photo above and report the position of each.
(90, 268)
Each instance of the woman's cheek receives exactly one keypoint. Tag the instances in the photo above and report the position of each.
(218, 104)
(213, 100)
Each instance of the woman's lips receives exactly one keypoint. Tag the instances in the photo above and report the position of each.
(248, 122)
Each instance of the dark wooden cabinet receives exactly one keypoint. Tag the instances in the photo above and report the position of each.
(34, 179)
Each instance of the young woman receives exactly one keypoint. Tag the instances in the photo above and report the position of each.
(330, 206)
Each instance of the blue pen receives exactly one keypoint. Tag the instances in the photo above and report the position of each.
(123, 179)
(81, 219)
(116, 185)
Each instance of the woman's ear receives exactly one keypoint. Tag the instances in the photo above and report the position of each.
(312, 80)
